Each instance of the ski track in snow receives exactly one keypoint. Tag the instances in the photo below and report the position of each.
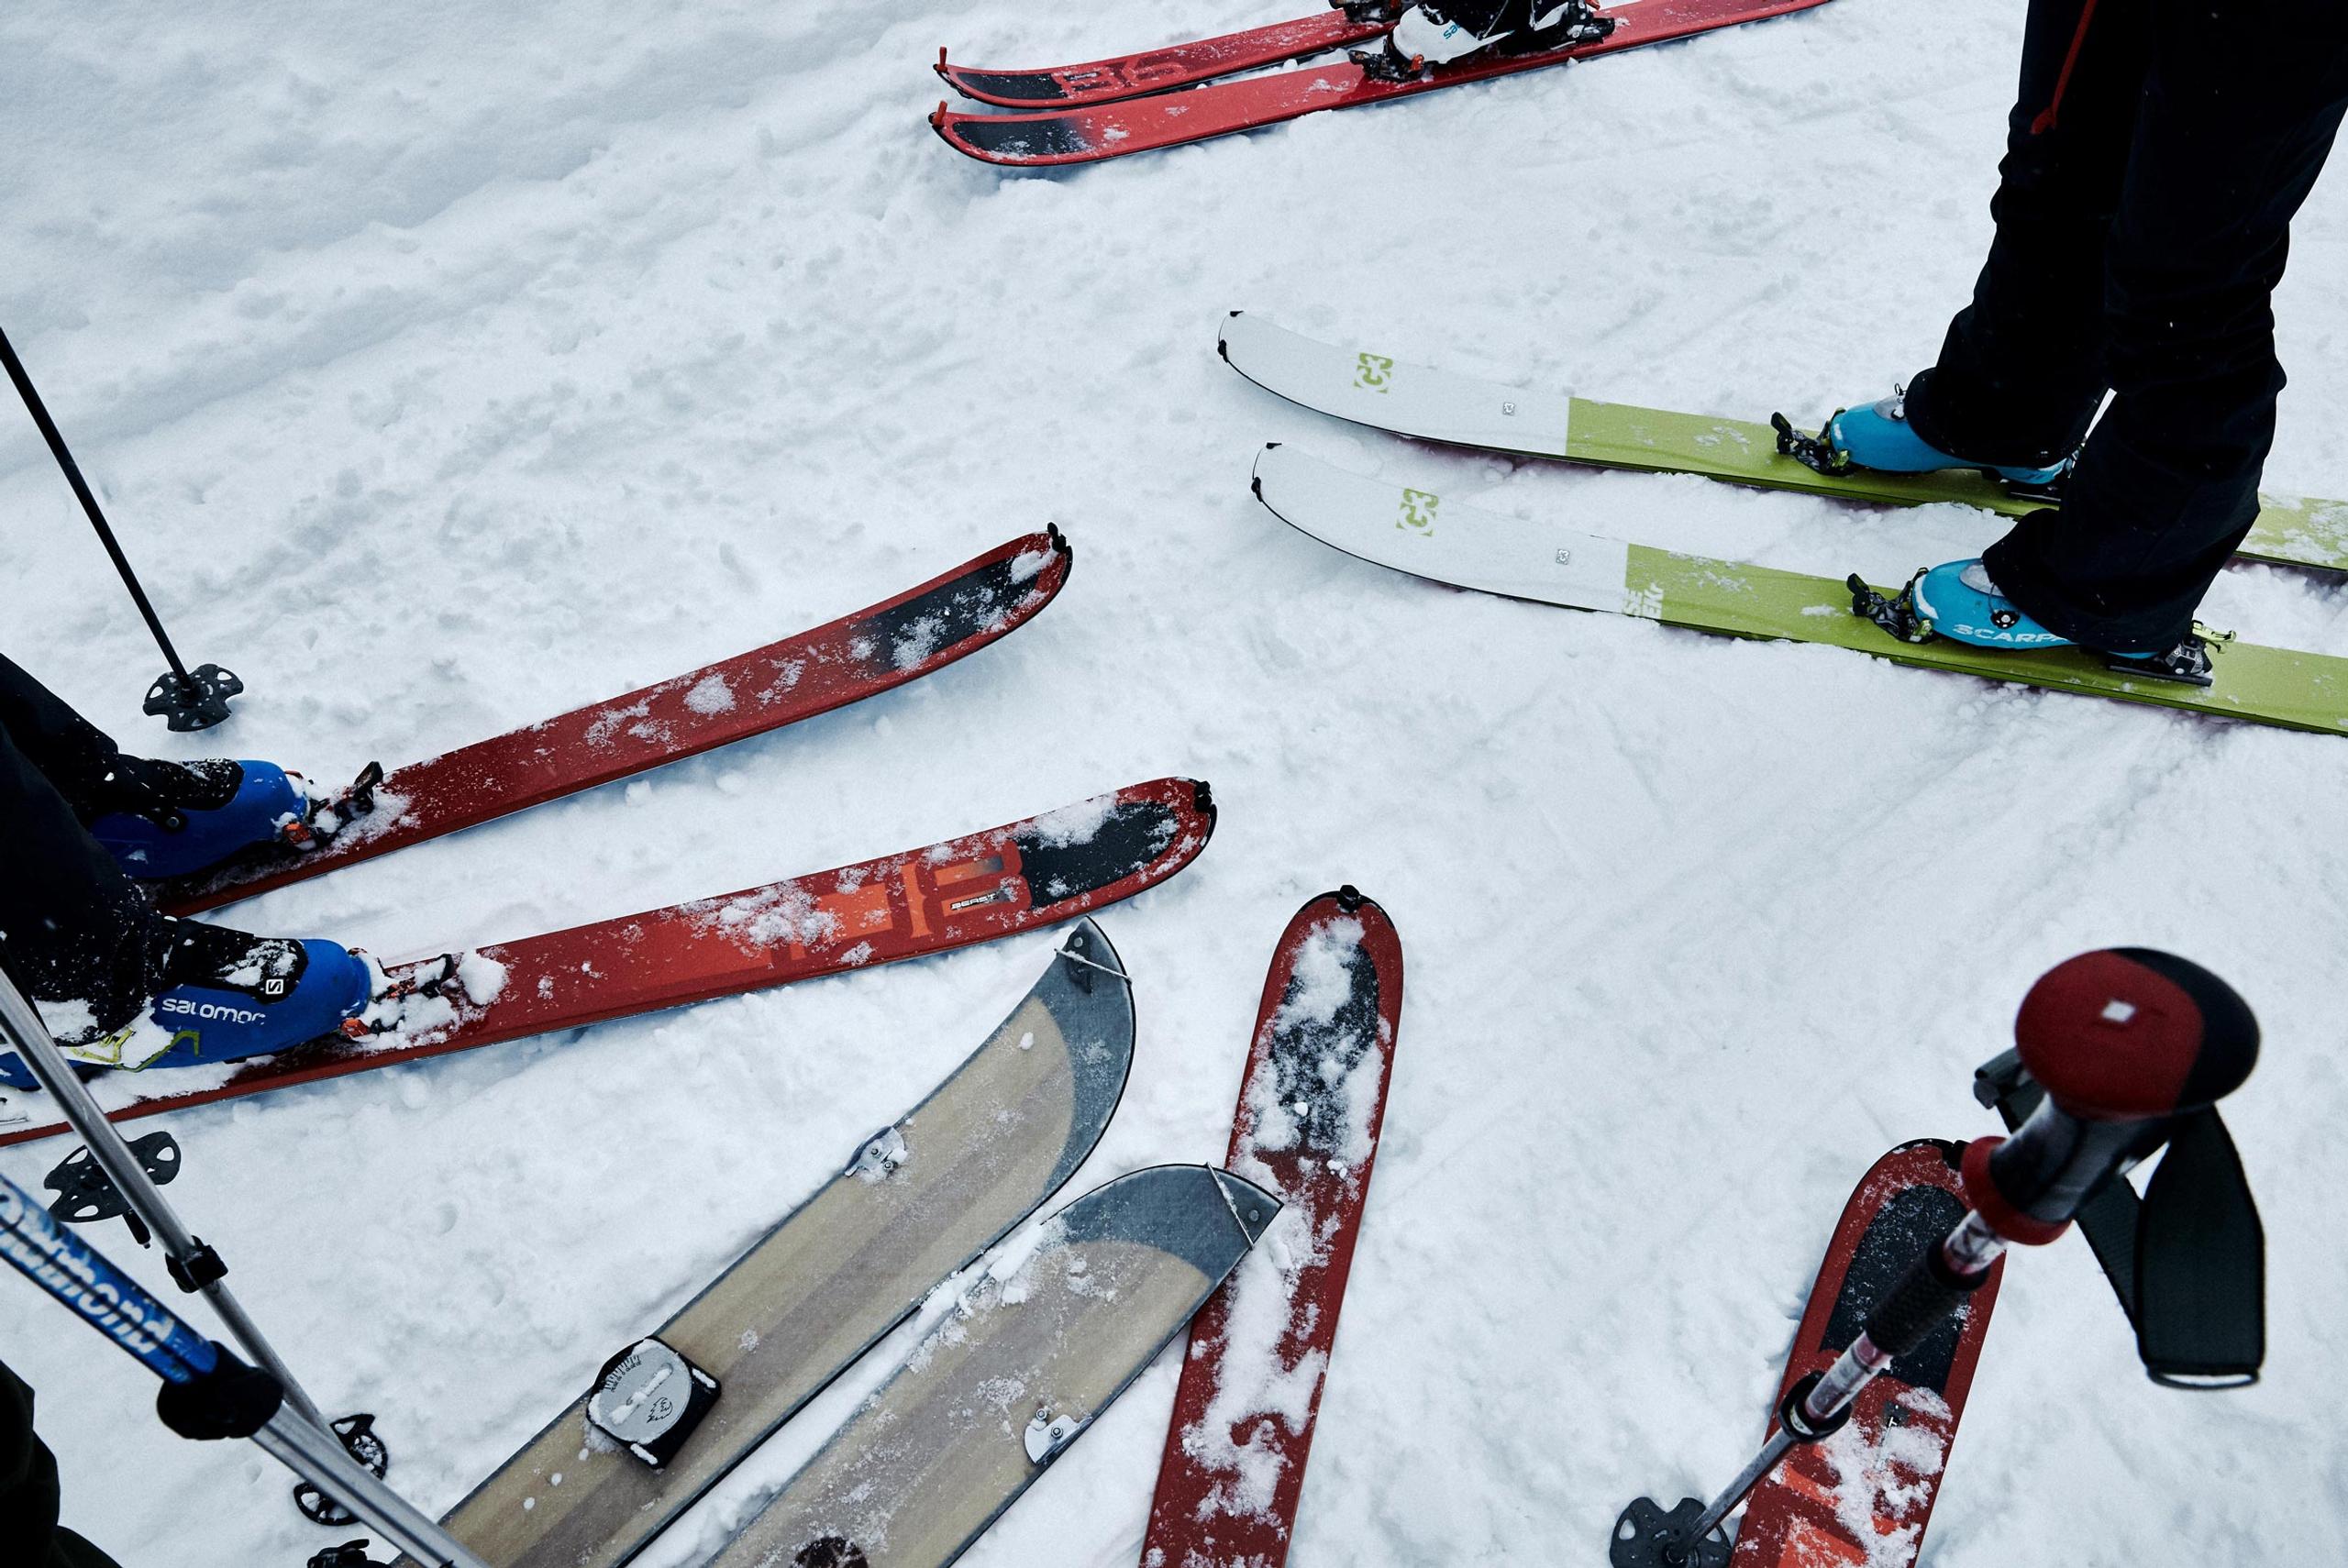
(447, 367)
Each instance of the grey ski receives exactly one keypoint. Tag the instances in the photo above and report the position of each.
(1048, 1336)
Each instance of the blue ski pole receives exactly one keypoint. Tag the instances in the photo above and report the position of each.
(207, 1391)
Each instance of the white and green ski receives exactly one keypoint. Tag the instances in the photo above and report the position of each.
(671, 1413)
(1419, 532)
(1052, 1332)
(1462, 410)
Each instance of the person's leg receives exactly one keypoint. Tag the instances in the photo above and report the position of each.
(2241, 109)
(28, 1490)
(72, 753)
(2022, 369)
(73, 928)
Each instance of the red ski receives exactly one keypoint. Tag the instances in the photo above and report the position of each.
(1862, 1498)
(1178, 65)
(1088, 133)
(873, 650)
(1306, 1130)
(994, 884)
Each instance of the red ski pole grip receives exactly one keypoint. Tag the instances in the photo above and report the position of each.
(2123, 1041)
(2129, 1034)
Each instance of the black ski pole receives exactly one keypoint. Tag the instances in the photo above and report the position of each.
(2126, 1043)
(185, 700)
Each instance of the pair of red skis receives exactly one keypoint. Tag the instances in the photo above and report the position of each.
(975, 888)
(1166, 97)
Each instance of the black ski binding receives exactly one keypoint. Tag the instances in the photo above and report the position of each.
(2189, 663)
(1368, 10)
(197, 701)
(648, 1398)
(357, 1435)
(1898, 615)
(85, 1194)
(1647, 1537)
(1813, 452)
(1579, 23)
(1380, 63)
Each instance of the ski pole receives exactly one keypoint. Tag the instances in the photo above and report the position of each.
(185, 700)
(194, 1266)
(2125, 1043)
(208, 1392)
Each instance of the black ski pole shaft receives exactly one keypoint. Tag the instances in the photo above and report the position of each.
(189, 702)
(208, 1392)
(196, 1266)
(2124, 1043)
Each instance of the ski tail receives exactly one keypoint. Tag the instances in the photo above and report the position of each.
(877, 649)
(1164, 69)
(1884, 1467)
(1312, 1103)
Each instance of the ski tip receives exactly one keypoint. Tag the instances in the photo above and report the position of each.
(1088, 946)
(1348, 898)
(1250, 1205)
(1059, 542)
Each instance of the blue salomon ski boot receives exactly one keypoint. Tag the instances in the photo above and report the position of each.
(174, 818)
(1879, 436)
(227, 995)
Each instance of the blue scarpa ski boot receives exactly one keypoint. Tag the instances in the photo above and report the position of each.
(1962, 603)
(1959, 601)
(1879, 436)
(226, 995)
(174, 818)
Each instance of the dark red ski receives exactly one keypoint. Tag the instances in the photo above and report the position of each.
(1160, 70)
(874, 650)
(1010, 880)
(1090, 132)
(1862, 1498)
(1310, 1105)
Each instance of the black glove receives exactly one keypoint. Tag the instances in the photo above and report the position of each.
(232, 1400)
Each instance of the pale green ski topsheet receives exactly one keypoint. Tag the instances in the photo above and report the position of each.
(1440, 405)
(1418, 532)
(1042, 1344)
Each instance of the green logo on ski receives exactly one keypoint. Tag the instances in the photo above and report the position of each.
(1418, 510)
(1373, 372)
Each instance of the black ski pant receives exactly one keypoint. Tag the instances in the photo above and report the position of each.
(2154, 160)
(28, 1495)
(72, 927)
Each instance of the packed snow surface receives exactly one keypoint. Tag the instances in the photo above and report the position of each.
(445, 367)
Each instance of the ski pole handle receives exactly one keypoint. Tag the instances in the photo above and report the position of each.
(2123, 1041)
(99, 1294)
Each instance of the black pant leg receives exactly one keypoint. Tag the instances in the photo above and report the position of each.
(2022, 369)
(2241, 110)
(72, 752)
(29, 1491)
(72, 927)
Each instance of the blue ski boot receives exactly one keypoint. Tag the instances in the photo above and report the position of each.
(1958, 600)
(174, 818)
(1963, 604)
(226, 996)
(1879, 437)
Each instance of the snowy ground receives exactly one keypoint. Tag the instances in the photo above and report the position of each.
(445, 366)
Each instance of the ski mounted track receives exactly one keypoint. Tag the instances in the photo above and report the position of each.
(1091, 133)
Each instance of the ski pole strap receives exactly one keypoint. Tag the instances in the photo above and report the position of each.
(2187, 1260)
(99, 1294)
